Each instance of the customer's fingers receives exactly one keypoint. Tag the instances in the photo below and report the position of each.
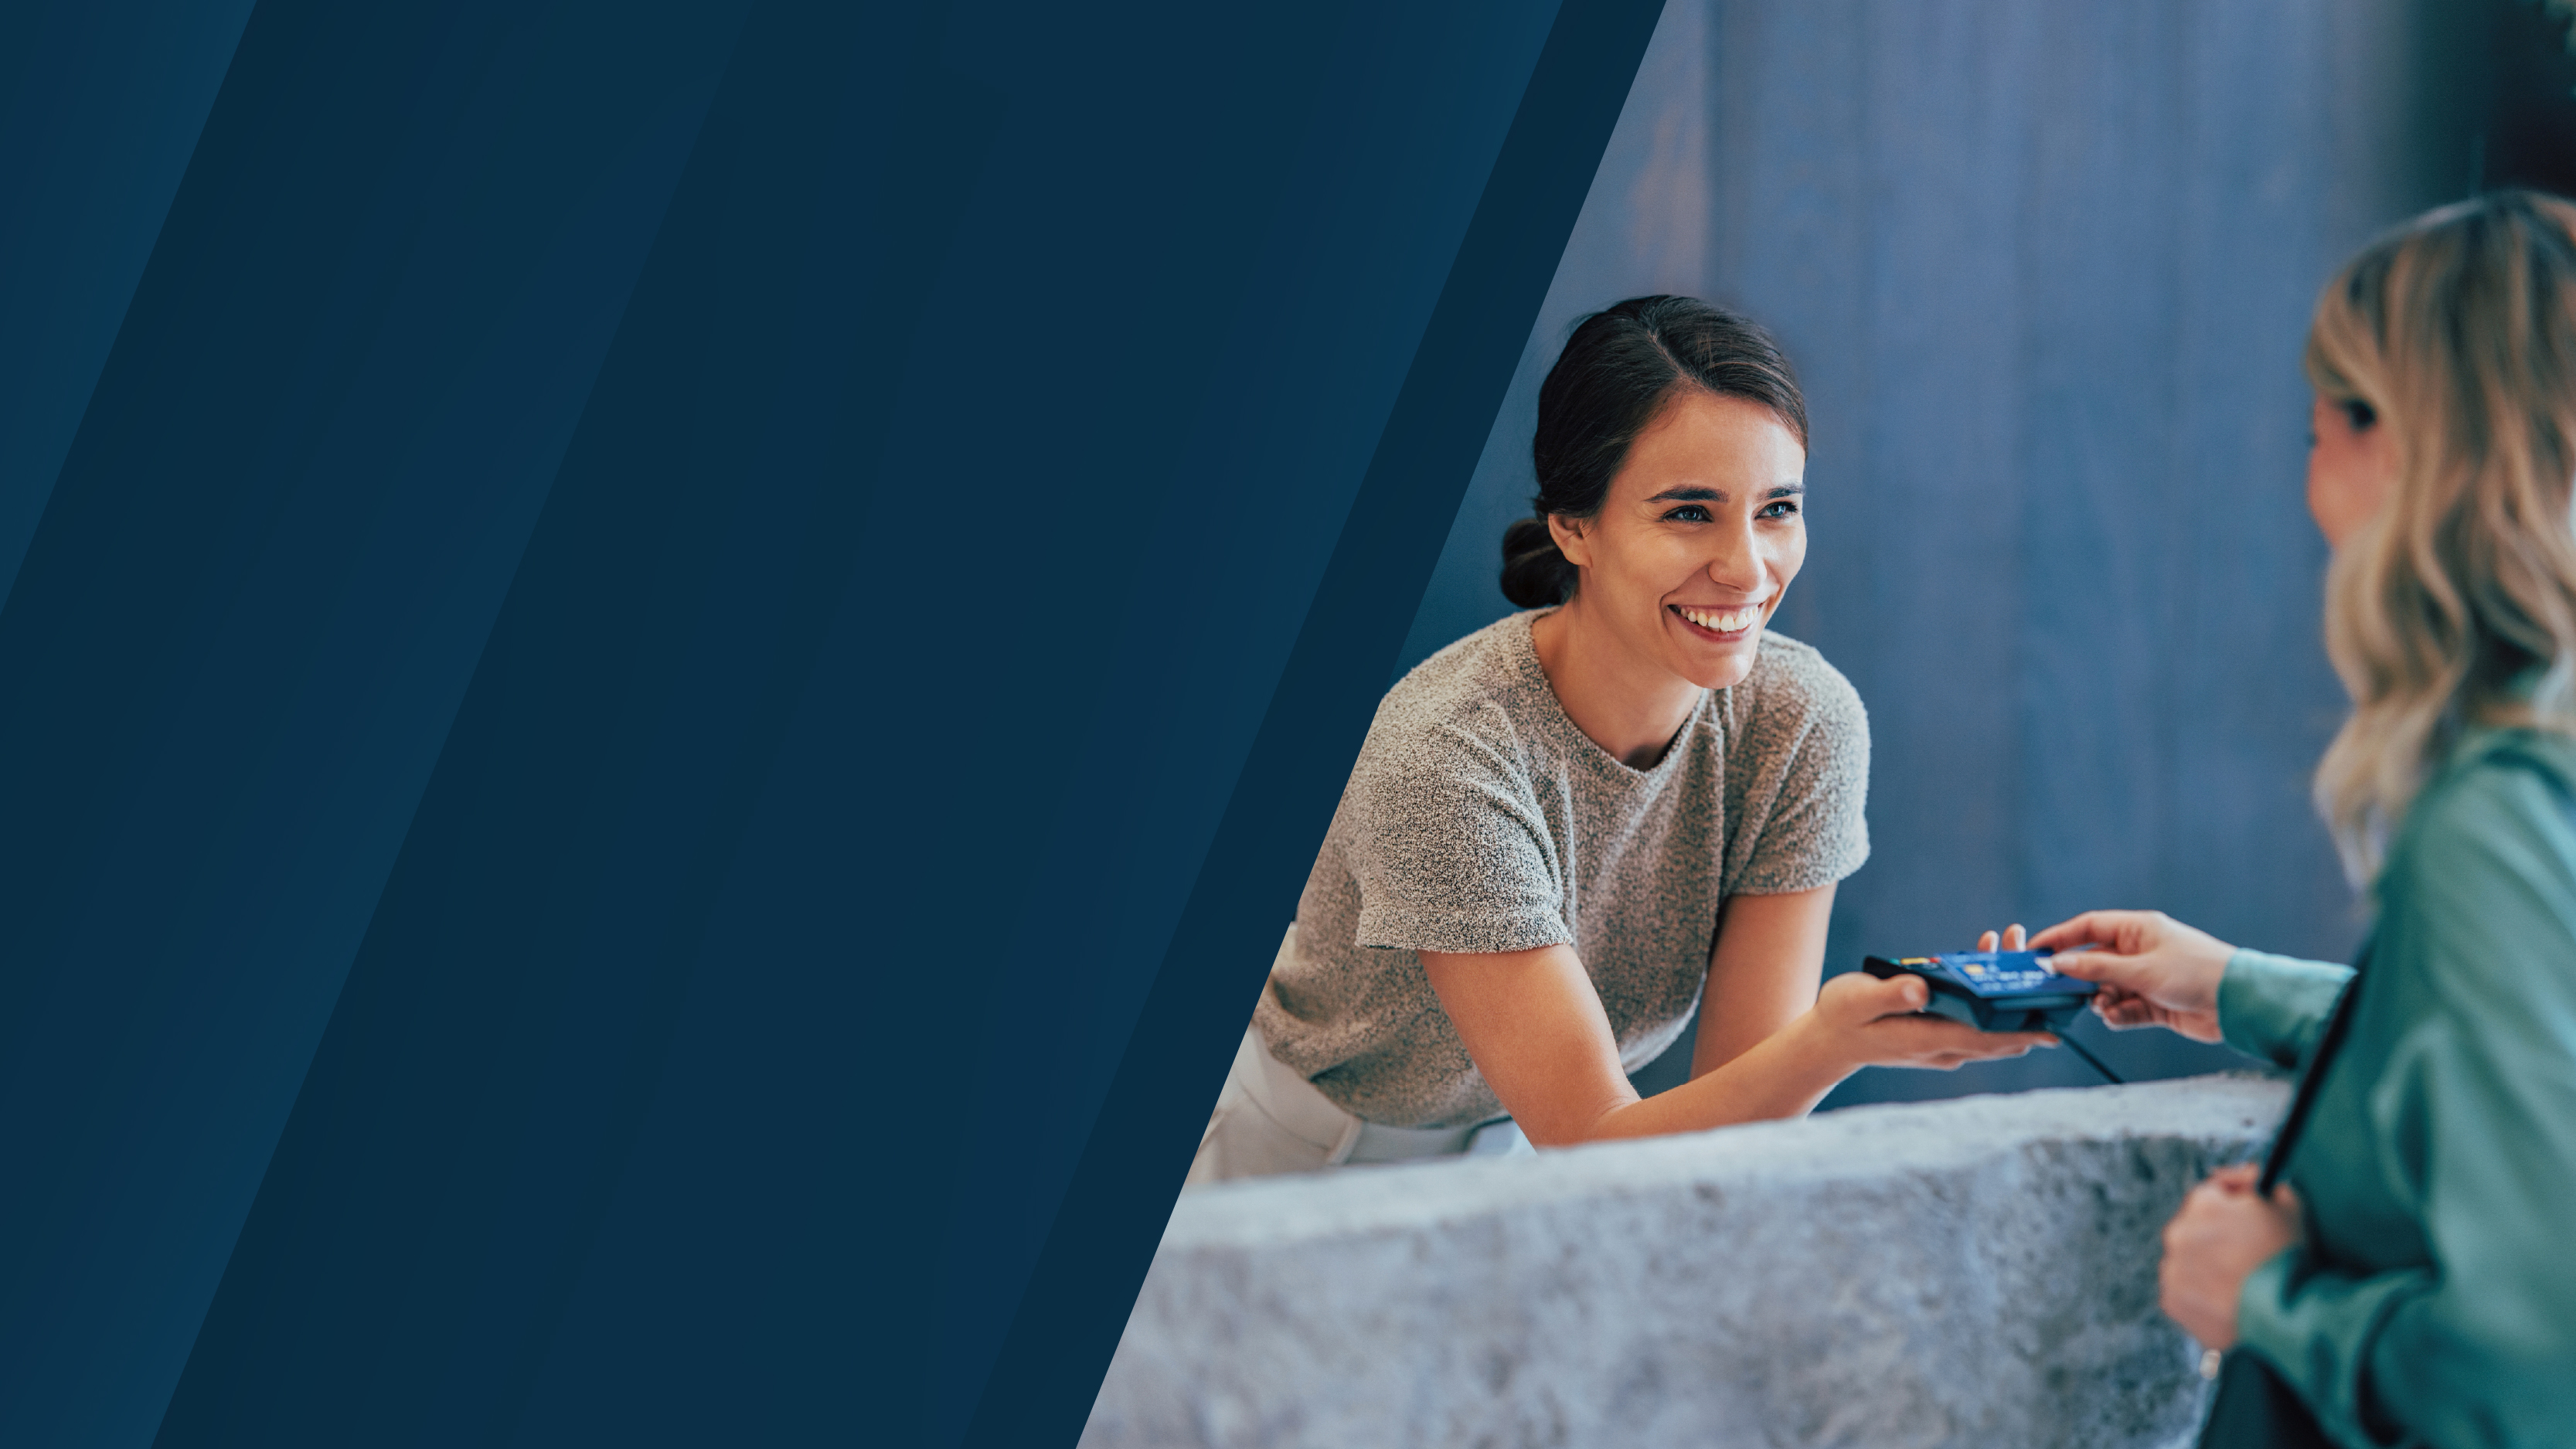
(2121, 1008)
(2106, 967)
(2093, 928)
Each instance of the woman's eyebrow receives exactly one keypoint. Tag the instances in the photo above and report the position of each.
(1695, 493)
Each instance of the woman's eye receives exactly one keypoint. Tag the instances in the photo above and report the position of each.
(1688, 513)
(1780, 508)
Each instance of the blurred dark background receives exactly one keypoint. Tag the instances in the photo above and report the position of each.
(2046, 270)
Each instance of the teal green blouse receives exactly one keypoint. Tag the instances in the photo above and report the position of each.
(2435, 1299)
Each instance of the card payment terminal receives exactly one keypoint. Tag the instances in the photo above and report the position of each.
(1997, 991)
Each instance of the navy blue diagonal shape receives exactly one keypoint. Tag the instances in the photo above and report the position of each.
(687, 589)
(1096, 1254)
(469, 1109)
(95, 132)
(278, 539)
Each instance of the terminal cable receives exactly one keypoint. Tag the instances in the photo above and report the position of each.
(2066, 1038)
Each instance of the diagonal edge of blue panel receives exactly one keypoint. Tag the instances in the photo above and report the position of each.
(643, 185)
(1103, 1237)
(93, 109)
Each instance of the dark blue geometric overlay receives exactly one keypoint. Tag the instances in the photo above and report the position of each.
(261, 582)
(682, 667)
(1247, 890)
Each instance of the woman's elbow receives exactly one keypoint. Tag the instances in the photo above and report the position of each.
(1575, 1124)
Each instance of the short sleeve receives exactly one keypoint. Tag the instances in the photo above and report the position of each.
(1448, 846)
(1806, 756)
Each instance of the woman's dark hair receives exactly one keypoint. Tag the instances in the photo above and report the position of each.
(1620, 368)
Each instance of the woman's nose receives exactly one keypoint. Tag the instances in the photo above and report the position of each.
(1737, 563)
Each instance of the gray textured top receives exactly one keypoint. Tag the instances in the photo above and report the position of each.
(1479, 818)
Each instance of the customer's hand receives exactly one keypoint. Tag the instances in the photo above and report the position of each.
(2222, 1234)
(2153, 969)
(1869, 1022)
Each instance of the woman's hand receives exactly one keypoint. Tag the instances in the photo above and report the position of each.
(2222, 1234)
(2153, 969)
(1860, 1020)
(1535, 1027)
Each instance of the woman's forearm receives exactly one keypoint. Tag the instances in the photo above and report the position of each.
(1534, 1026)
(1762, 974)
(1858, 1020)
(1782, 1076)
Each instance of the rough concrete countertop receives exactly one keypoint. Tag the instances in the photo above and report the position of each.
(1972, 1272)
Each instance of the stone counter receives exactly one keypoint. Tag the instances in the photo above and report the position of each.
(1978, 1272)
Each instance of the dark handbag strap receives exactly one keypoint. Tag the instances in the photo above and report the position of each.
(2304, 1100)
(2254, 1409)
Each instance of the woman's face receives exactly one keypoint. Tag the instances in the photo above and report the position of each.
(2352, 466)
(1704, 528)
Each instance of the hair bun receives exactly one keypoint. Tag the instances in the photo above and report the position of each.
(1536, 573)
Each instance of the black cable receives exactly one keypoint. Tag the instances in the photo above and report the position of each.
(2066, 1038)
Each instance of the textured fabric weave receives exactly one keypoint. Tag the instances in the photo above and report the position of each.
(1479, 818)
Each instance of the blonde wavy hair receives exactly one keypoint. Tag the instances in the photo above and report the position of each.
(2456, 604)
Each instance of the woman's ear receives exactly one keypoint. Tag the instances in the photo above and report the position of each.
(1568, 533)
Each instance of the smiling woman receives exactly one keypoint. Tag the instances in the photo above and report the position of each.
(1569, 831)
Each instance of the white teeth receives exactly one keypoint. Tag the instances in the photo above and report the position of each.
(1731, 622)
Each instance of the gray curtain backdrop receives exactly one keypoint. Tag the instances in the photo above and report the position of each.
(2045, 270)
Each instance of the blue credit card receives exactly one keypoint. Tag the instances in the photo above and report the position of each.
(2002, 973)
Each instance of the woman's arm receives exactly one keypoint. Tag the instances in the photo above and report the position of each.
(1762, 975)
(2156, 971)
(1535, 1028)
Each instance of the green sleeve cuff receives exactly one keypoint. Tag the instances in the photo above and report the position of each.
(2261, 1306)
(2275, 1007)
(2316, 1329)
(2267, 1325)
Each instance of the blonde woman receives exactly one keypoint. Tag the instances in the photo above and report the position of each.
(2414, 1282)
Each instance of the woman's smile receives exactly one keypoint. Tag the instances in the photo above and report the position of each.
(1726, 626)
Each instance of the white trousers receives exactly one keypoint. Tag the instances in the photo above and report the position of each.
(1270, 1120)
